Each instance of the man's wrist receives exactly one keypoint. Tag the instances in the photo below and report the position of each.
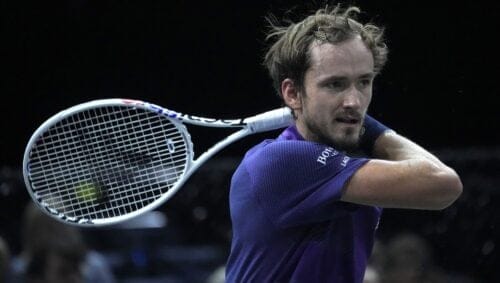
(372, 129)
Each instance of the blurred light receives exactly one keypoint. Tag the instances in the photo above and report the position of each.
(200, 213)
(139, 258)
(488, 247)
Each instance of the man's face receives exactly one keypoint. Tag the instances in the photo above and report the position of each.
(336, 95)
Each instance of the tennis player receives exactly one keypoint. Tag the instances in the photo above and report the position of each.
(303, 207)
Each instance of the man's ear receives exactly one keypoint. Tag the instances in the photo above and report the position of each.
(291, 94)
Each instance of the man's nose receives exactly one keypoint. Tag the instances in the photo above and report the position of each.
(351, 98)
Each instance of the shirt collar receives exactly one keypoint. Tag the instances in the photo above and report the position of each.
(291, 133)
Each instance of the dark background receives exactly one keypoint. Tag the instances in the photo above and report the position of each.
(439, 88)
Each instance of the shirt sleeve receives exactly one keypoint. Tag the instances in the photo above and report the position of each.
(299, 182)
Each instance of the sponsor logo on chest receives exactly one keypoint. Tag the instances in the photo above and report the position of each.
(329, 152)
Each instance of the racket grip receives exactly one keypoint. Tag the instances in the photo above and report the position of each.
(270, 120)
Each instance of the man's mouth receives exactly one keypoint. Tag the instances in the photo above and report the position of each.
(347, 120)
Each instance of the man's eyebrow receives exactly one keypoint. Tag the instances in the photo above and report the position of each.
(333, 77)
(369, 75)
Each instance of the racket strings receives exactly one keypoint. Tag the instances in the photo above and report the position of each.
(107, 161)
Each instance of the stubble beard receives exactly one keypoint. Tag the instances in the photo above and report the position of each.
(328, 133)
(340, 139)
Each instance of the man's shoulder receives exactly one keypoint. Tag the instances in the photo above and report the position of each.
(291, 153)
(271, 148)
(298, 156)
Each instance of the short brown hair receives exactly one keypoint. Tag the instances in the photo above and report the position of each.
(289, 55)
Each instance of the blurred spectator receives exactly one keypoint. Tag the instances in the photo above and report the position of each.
(371, 275)
(4, 260)
(375, 264)
(409, 259)
(218, 275)
(55, 252)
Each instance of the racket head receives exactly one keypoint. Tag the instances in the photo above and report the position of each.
(106, 161)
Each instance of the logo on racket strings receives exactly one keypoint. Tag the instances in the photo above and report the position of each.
(170, 145)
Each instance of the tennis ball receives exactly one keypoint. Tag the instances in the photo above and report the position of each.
(87, 192)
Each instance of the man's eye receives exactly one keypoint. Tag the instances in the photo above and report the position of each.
(365, 82)
(336, 85)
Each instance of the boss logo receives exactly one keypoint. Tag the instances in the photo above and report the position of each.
(325, 154)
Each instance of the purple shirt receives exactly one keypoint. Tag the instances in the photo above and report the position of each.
(289, 224)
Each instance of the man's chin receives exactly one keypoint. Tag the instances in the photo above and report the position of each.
(343, 139)
(346, 143)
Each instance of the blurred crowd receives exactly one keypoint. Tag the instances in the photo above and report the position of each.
(188, 239)
(408, 258)
(55, 252)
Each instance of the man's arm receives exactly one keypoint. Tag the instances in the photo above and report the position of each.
(404, 176)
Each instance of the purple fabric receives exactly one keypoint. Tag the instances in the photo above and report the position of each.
(289, 224)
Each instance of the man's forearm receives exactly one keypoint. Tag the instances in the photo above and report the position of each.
(402, 174)
(392, 146)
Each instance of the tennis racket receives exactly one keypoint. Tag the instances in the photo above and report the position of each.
(109, 160)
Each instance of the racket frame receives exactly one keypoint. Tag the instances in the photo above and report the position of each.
(267, 121)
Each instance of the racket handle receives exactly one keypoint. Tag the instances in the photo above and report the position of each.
(270, 120)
